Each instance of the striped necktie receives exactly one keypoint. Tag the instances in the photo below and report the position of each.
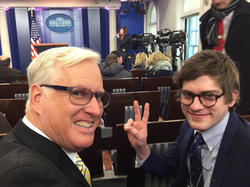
(84, 170)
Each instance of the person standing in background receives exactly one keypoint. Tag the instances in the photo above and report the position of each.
(225, 27)
(124, 41)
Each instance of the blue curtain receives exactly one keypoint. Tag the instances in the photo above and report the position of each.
(11, 22)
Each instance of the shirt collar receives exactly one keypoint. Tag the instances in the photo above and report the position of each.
(213, 135)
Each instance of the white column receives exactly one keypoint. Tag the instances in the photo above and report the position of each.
(112, 30)
(4, 34)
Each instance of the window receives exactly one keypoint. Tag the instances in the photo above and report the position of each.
(192, 31)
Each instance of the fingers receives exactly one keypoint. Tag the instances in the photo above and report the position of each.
(128, 125)
(137, 111)
(145, 114)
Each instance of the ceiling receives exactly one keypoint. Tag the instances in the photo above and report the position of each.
(60, 3)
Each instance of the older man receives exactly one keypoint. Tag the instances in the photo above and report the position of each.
(225, 27)
(65, 105)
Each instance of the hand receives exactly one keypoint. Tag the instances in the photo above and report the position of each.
(137, 131)
(117, 35)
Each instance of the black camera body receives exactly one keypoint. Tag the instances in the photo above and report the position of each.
(168, 37)
(143, 39)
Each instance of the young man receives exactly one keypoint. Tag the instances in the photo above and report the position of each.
(225, 27)
(209, 92)
(65, 105)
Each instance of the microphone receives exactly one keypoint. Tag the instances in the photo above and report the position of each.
(115, 38)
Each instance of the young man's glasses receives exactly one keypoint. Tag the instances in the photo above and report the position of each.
(207, 99)
(82, 96)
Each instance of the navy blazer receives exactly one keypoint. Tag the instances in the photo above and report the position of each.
(232, 167)
(28, 159)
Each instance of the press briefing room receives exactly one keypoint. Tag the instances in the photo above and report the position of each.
(152, 27)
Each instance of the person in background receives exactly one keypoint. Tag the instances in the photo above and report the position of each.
(119, 56)
(225, 27)
(124, 41)
(158, 65)
(5, 70)
(65, 105)
(110, 69)
(141, 60)
(212, 148)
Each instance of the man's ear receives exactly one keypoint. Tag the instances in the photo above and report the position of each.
(234, 98)
(35, 97)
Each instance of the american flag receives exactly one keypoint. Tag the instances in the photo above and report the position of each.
(35, 38)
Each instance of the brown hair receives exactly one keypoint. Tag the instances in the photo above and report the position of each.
(215, 64)
(112, 58)
(125, 30)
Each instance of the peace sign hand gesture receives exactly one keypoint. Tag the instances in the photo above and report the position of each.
(137, 131)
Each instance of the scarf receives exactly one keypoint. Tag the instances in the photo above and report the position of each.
(216, 16)
(158, 66)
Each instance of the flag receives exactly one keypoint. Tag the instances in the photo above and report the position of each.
(34, 34)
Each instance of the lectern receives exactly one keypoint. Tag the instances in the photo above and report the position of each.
(44, 46)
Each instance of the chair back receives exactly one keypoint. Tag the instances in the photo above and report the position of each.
(8, 78)
(14, 109)
(130, 112)
(174, 109)
(246, 117)
(115, 112)
(9, 90)
(22, 78)
(138, 73)
(152, 83)
(165, 92)
(129, 84)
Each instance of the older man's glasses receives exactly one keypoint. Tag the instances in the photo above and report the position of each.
(82, 96)
(207, 99)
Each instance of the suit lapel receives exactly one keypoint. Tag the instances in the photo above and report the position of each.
(49, 150)
(223, 160)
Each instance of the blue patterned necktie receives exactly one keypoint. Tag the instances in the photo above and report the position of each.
(195, 161)
(83, 168)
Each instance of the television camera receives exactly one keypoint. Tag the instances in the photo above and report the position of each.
(143, 40)
(175, 39)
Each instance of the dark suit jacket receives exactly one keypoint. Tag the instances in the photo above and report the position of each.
(232, 166)
(237, 47)
(10, 71)
(28, 159)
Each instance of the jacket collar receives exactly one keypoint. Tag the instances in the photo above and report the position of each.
(49, 150)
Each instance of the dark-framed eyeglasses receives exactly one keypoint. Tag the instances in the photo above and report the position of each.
(82, 96)
(207, 99)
